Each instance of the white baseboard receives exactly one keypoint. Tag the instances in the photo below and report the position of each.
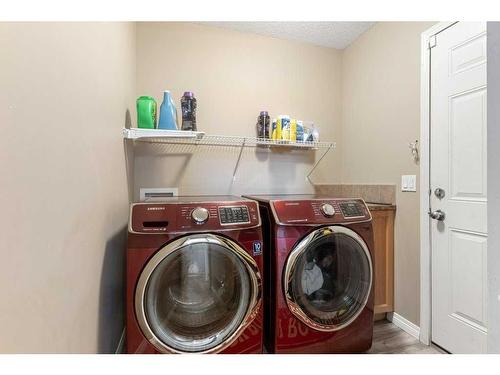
(120, 349)
(404, 324)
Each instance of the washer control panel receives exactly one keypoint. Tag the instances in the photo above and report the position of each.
(193, 216)
(233, 215)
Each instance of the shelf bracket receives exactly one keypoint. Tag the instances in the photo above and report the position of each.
(317, 163)
(239, 158)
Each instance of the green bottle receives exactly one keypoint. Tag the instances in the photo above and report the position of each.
(146, 112)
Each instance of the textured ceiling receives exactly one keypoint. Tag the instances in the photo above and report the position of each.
(327, 34)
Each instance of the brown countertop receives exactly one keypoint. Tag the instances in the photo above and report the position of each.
(381, 207)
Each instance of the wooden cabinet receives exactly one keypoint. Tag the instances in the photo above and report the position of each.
(383, 233)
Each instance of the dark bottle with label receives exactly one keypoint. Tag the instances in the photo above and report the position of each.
(188, 107)
(263, 125)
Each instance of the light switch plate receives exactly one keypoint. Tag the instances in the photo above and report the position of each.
(408, 182)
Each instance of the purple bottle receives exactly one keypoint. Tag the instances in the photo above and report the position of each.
(188, 108)
(263, 125)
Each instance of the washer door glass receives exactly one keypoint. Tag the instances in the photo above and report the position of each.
(198, 295)
(328, 278)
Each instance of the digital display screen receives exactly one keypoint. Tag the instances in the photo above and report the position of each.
(351, 209)
(234, 215)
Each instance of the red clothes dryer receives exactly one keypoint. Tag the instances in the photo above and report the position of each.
(194, 268)
(319, 294)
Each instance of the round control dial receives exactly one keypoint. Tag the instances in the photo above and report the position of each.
(200, 215)
(327, 210)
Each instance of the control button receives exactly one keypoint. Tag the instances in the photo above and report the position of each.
(200, 215)
(327, 210)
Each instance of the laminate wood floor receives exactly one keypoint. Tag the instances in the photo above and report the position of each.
(389, 339)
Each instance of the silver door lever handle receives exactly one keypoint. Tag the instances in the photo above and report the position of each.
(437, 215)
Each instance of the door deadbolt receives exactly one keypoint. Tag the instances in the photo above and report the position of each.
(440, 193)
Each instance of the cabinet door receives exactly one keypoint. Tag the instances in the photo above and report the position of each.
(383, 233)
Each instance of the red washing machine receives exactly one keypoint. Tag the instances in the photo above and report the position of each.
(319, 267)
(194, 268)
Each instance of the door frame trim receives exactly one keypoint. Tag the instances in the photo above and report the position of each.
(425, 235)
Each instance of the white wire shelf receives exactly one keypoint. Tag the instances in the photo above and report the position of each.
(181, 137)
(157, 135)
(200, 138)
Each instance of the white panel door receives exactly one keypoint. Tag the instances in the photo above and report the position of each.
(458, 167)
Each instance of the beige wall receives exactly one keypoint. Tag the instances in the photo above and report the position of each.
(234, 75)
(64, 93)
(380, 116)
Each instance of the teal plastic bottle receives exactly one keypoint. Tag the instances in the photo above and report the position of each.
(168, 113)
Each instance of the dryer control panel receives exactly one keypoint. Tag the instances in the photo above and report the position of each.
(193, 216)
(320, 211)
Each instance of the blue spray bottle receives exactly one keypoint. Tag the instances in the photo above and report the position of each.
(168, 113)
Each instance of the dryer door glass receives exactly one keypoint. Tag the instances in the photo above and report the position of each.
(197, 294)
(328, 278)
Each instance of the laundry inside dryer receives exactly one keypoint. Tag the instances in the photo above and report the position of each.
(331, 280)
